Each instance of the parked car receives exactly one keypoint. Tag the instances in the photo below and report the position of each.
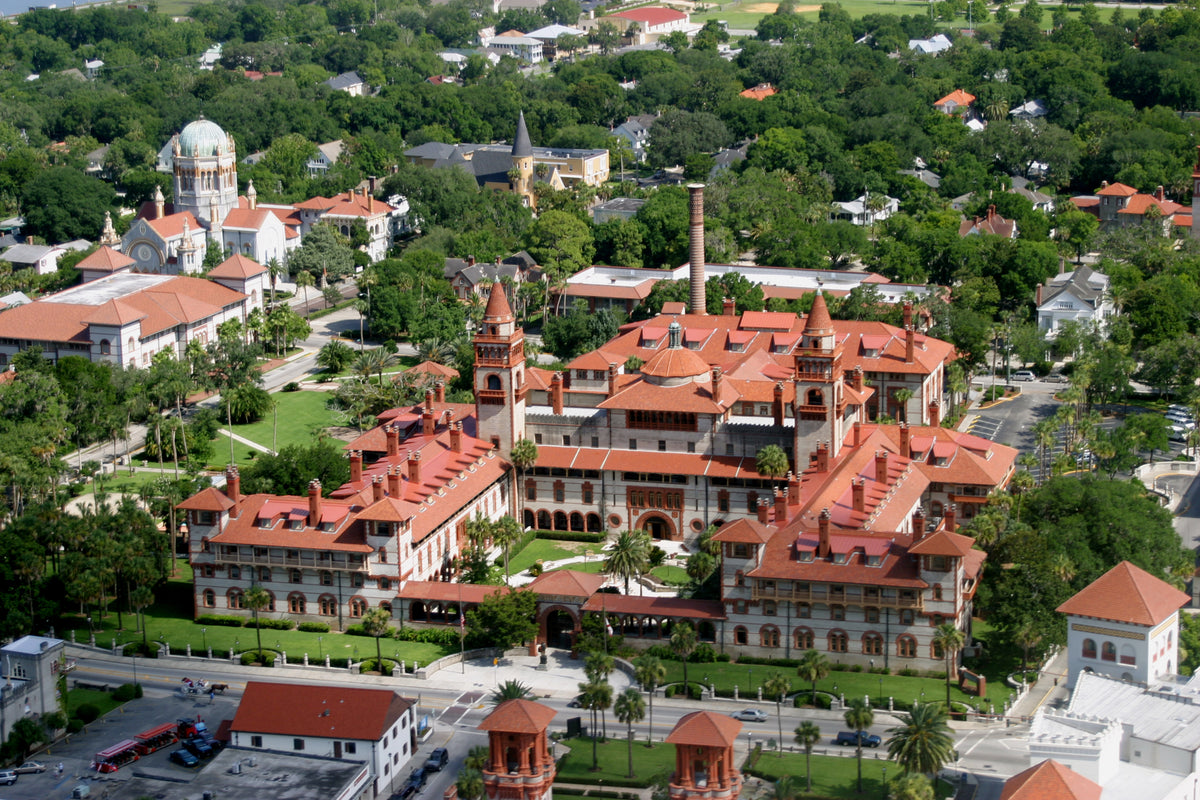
(1056, 377)
(437, 759)
(1179, 418)
(1178, 433)
(184, 759)
(199, 748)
(576, 702)
(415, 781)
(29, 767)
(81, 790)
(8, 777)
(850, 738)
(751, 715)
(1024, 375)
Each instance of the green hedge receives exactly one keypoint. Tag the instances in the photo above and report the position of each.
(272, 624)
(148, 650)
(314, 627)
(219, 619)
(446, 637)
(570, 536)
(267, 657)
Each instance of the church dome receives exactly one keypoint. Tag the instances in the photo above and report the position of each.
(204, 138)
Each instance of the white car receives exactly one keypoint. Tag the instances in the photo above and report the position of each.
(751, 715)
(29, 767)
(1024, 375)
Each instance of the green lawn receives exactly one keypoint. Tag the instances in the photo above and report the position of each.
(595, 567)
(169, 620)
(548, 550)
(300, 415)
(745, 14)
(125, 483)
(101, 700)
(834, 776)
(242, 453)
(674, 576)
(851, 684)
(649, 763)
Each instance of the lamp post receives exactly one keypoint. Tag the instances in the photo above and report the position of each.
(872, 670)
(204, 635)
(134, 655)
(321, 647)
(883, 794)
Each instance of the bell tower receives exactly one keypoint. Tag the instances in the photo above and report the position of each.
(500, 386)
(522, 163)
(820, 403)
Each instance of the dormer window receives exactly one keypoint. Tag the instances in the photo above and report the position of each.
(737, 347)
(874, 561)
(806, 555)
(327, 527)
(870, 353)
(839, 558)
(264, 522)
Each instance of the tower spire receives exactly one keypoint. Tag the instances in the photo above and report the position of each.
(522, 146)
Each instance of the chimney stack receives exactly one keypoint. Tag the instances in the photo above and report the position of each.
(822, 457)
(1038, 297)
(414, 468)
(716, 384)
(910, 345)
(233, 484)
(781, 505)
(881, 466)
(793, 489)
(393, 440)
(823, 534)
(935, 413)
(696, 247)
(314, 503)
(729, 307)
(395, 482)
(612, 379)
(858, 493)
(857, 379)
(777, 403)
(1158, 194)
(950, 524)
(429, 399)
(918, 523)
(905, 447)
(427, 422)
(456, 437)
(908, 315)
(439, 391)
(556, 393)
(356, 465)
(763, 508)
(377, 491)
(857, 434)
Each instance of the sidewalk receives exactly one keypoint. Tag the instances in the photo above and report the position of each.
(1049, 689)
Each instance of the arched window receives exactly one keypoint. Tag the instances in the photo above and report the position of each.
(593, 523)
(528, 518)
(235, 598)
(1089, 648)
(838, 641)
(804, 639)
(769, 636)
(105, 347)
(131, 343)
(386, 606)
(358, 606)
(1108, 652)
(297, 604)
(906, 647)
(493, 383)
(210, 598)
(543, 520)
(872, 644)
(937, 591)
(814, 398)
(740, 636)
(270, 601)
(328, 605)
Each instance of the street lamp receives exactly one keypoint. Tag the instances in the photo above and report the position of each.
(321, 647)
(880, 680)
(884, 793)
(133, 653)
(204, 634)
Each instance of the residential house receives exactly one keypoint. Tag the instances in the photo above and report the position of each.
(525, 49)
(377, 726)
(650, 22)
(550, 35)
(1080, 295)
(468, 277)
(1029, 110)
(859, 211)
(42, 259)
(760, 92)
(327, 155)
(932, 46)
(992, 224)
(1119, 205)
(636, 130)
(925, 176)
(349, 82)
(957, 102)
(622, 208)
(383, 221)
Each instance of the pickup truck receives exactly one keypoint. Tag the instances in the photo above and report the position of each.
(851, 738)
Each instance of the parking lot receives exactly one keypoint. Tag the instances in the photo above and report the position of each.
(139, 715)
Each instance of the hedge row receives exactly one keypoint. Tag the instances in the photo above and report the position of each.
(272, 624)
(219, 619)
(571, 536)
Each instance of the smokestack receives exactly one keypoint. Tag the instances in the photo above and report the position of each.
(908, 315)
(823, 534)
(696, 247)
(414, 468)
(377, 492)
(918, 522)
(881, 466)
(393, 440)
(781, 504)
(949, 522)
(556, 393)
(905, 450)
(910, 344)
(858, 493)
(356, 465)
(777, 403)
(439, 391)
(456, 437)
(314, 502)
(716, 383)
(395, 482)
(763, 508)
(233, 484)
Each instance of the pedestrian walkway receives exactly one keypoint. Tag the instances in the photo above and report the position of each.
(1050, 688)
(243, 440)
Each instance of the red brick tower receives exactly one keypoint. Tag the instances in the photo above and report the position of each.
(704, 767)
(520, 766)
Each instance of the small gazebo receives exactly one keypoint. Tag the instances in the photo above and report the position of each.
(520, 766)
(704, 767)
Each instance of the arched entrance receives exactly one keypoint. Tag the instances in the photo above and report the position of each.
(559, 626)
(658, 526)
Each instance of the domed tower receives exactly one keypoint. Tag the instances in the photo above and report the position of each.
(205, 172)
(522, 158)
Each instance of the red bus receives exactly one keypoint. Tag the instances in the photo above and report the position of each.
(156, 738)
(115, 757)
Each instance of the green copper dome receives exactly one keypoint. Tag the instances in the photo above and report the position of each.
(203, 138)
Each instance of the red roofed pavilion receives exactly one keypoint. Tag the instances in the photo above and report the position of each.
(704, 766)
(1050, 780)
(520, 766)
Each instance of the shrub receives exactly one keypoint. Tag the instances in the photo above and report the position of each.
(74, 725)
(291, 386)
(661, 652)
(314, 627)
(909, 672)
(724, 658)
(250, 657)
(373, 666)
(87, 712)
(694, 692)
(573, 536)
(657, 556)
(221, 619)
(272, 624)
(855, 668)
(138, 691)
(446, 637)
(703, 654)
(148, 650)
(124, 693)
(536, 569)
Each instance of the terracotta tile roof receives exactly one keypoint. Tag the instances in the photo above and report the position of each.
(442, 592)
(105, 259)
(244, 528)
(779, 561)
(347, 204)
(655, 606)
(30, 320)
(596, 360)
(749, 531)
(1117, 190)
(375, 440)
(237, 267)
(567, 583)
(1126, 593)
(498, 309)
(691, 397)
(209, 499)
(518, 716)
(1050, 780)
(652, 15)
(943, 543)
(171, 226)
(116, 313)
(675, 362)
(958, 97)
(246, 219)
(1139, 204)
(818, 320)
(616, 292)
(705, 728)
(435, 369)
(760, 92)
(326, 712)
(970, 461)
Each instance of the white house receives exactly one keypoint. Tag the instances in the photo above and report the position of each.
(930, 46)
(858, 212)
(1123, 625)
(39, 258)
(327, 155)
(377, 726)
(1080, 295)
(29, 672)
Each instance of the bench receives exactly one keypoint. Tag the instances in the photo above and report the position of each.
(99, 687)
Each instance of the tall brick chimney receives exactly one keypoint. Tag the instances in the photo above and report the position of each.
(823, 534)
(556, 393)
(910, 345)
(949, 522)
(356, 465)
(905, 441)
(716, 383)
(698, 302)
(414, 467)
(456, 437)
(918, 523)
(935, 413)
(429, 399)
(822, 457)
(377, 488)
(439, 391)
(881, 466)
(314, 503)
(777, 403)
(612, 379)
(393, 440)
(729, 307)
(395, 482)
(233, 484)
(764, 507)
(781, 505)
(793, 489)
(857, 379)
(857, 434)
(858, 494)
(428, 422)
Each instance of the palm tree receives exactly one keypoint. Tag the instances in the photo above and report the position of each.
(859, 716)
(524, 454)
(649, 672)
(595, 696)
(813, 667)
(598, 666)
(1026, 636)
(771, 461)
(807, 735)
(923, 741)
(510, 690)
(470, 784)
(362, 308)
(304, 280)
(630, 708)
(902, 398)
(256, 599)
(683, 643)
(912, 786)
(274, 269)
(785, 788)
(629, 556)
(778, 686)
(505, 531)
(334, 355)
(948, 639)
(375, 624)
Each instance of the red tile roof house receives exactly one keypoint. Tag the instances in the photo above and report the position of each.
(1050, 780)
(993, 224)
(1119, 205)
(376, 726)
(1124, 625)
(652, 22)
(957, 101)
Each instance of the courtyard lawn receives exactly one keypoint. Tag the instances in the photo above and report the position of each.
(650, 764)
(548, 550)
(595, 567)
(101, 700)
(834, 776)
(124, 483)
(301, 415)
(904, 690)
(671, 575)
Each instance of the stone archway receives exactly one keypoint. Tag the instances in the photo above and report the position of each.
(558, 627)
(658, 526)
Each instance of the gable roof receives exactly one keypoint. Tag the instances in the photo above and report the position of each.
(652, 15)
(1050, 780)
(958, 97)
(105, 259)
(518, 716)
(237, 266)
(1126, 593)
(567, 583)
(326, 712)
(706, 728)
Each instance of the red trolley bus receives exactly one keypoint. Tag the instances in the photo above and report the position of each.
(156, 738)
(115, 757)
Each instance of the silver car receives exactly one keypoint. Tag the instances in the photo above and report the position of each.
(751, 715)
